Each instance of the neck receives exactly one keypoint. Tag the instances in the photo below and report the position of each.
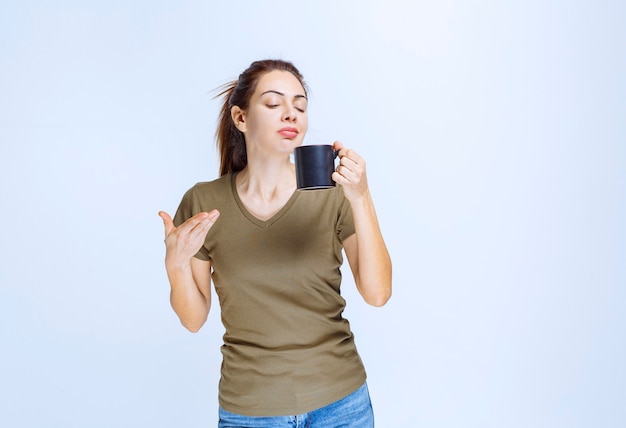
(267, 178)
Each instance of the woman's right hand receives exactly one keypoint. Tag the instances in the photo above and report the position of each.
(184, 241)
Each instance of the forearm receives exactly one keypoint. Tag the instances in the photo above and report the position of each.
(189, 303)
(373, 270)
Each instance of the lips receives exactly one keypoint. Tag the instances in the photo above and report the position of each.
(288, 132)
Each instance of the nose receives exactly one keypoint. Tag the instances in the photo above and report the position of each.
(290, 113)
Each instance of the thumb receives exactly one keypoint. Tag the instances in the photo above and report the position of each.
(167, 222)
(337, 145)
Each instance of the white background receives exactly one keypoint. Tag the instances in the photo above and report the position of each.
(495, 139)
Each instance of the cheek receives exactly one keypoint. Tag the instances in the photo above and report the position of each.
(256, 123)
(303, 120)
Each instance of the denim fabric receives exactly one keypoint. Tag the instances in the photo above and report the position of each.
(353, 411)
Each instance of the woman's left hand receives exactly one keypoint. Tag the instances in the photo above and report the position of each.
(350, 172)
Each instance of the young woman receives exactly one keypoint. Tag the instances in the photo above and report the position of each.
(274, 256)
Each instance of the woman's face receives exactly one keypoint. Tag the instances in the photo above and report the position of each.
(276, 118)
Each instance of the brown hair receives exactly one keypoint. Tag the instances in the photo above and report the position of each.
(231, 143)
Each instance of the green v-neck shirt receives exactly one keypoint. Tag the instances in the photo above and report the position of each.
(287, 349)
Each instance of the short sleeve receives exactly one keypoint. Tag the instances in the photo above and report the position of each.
(345, 222)
(188, 207)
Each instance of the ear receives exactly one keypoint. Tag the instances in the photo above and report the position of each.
(239, 118)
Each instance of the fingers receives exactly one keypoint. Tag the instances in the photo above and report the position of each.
(350, 173)
(351, 166)
(199, 223)
(202, 222)
(184, 241)
(168, 223)
(347, 154)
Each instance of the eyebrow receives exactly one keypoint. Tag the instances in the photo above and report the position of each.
(281, 94)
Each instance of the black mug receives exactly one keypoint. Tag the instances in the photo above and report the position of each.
(315, 165)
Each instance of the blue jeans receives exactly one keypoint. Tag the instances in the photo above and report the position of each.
(353, 411)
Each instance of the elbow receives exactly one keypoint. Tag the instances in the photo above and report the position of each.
(378, 300)
(379, 297)
(193, 328)
(192, 318)
(193, 325)
(376, 292)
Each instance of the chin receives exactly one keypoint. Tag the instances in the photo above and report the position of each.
(290, 145)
